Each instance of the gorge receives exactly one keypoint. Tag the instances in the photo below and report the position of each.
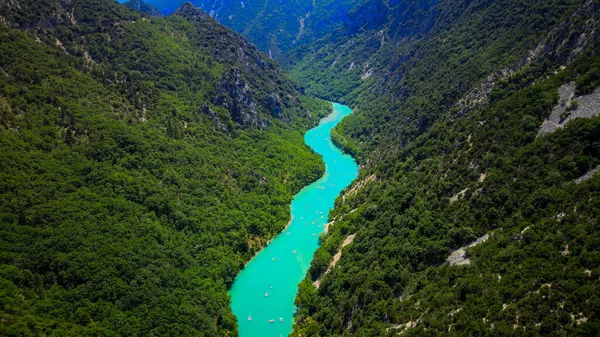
(150, 152)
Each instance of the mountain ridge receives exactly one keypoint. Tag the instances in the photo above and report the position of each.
(247, 63)
(275, 28)
(144, 7)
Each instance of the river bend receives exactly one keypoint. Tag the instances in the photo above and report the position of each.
(265, 289)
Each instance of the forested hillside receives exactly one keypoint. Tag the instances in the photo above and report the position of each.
(144, 160)
(476, 210)
(142, 164)
(275, 27)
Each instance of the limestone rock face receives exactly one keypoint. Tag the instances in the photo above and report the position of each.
(234, 94)
(273, 104)
(191, 11)
(205, 109)
(253, 88)
(562, 45)
(18, 13)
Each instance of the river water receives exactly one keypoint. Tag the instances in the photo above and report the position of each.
(265, 289)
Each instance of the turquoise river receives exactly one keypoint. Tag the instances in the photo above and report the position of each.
(262, 296)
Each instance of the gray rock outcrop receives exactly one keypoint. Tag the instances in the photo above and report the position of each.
(205, 109)
(273, 105)
(570, 107)
(235, 95)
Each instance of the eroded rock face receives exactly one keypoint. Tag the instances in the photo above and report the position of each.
(18, 13)
(246, 89)
(227, 46)
(562, 45)
(205, 109)
(273, 105)
(459, 257)
(190, 11)
(588, 175)
(234, 94)
(587, 106)
(13, 4)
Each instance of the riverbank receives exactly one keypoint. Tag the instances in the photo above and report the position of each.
(262, 296)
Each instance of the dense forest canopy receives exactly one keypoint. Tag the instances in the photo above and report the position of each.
(144, 159)
(142, 164)
(468, 219)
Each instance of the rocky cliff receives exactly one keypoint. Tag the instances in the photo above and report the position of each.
(255, 87)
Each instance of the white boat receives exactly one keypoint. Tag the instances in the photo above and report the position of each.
(267, 294)
(280, 320)
(249, 318)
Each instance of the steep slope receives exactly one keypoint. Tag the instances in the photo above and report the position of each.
(275, 27)
(377, 38)
(468, 218)
(132, 192)
(274, 94)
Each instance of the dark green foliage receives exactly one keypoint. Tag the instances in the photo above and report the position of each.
(588, 82)
(346, 144)
(424, 50)
(419, 148)
(541, 257)
(129, 201)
